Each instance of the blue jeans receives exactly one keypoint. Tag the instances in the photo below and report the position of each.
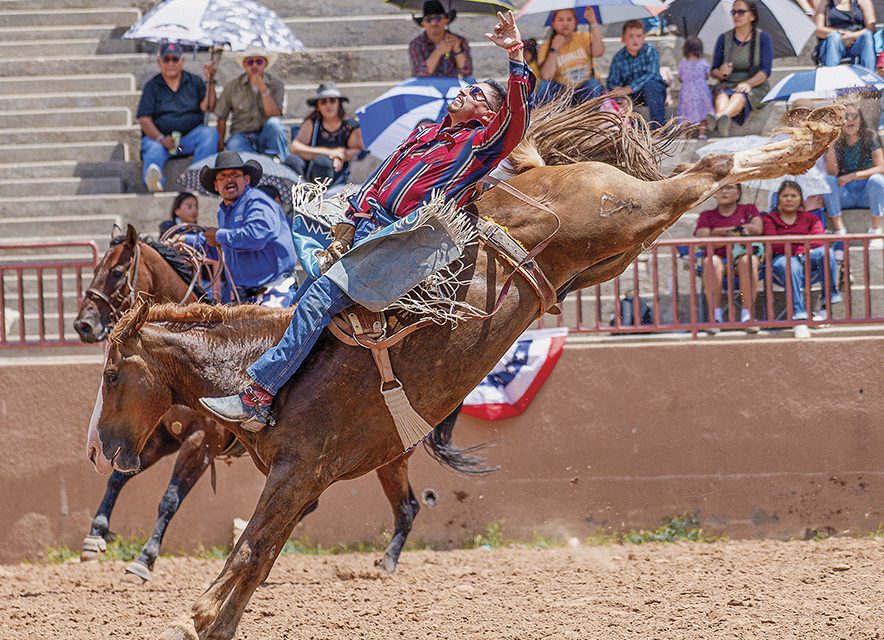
(318, 168)
(817, 274)
(547, 90)
(862, 51)
(272, 139)
(201, 142)
(317, 305)
(653, 94)
(859, 194)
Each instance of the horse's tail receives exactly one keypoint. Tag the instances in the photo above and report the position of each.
(438, 445)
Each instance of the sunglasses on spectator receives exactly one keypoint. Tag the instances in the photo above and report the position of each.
(851, 116)
(257, 62)
(326, 100)
(739, 12)
(476, 93)
(171, 59)
(434, 19)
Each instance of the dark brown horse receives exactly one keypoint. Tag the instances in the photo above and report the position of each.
(332, 422)
(134, 265)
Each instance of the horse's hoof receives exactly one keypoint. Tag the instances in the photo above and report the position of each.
(93, 548)
(386, 564)
(183, 630)
(136, 573)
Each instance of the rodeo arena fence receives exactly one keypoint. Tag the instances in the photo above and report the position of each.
(41, 287)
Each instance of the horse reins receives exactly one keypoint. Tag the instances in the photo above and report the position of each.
(118, 298)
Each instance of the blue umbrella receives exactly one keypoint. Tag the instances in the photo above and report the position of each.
(824, 82)
(387, 120)
(606, 11)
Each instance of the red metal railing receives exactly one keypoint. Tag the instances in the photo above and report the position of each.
(40, 293)
(669, 282)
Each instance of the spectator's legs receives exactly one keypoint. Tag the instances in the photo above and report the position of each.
(833, 203)
(747, 271)
(242, 142)
(833, 50)
(273, 139)
(153, 154)
(592, 88)
(817, 261)
(796, 275)
(320, 167)
(875, 195)
(863, 50)
(546, 90)
(201, 142)
(296, 164)
(654, 95)
(713, 272)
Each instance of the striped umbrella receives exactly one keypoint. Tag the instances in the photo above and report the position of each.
(606, 11)
(387, 120)
(787, 25)
(824, 82)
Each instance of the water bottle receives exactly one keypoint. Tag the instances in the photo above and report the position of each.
(176, 138)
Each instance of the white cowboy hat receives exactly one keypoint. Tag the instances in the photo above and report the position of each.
(269, 56)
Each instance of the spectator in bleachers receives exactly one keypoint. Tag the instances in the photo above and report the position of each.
(855, 164)
(185, 210)
(171, 113)
(635, 72)
(791, 219)
(741, 63)
(845, 29)
(694, 97)
(530, 52)
(729, 219)
(567, 58)
(255, 98)
(328, 140)
(436, 51)
(806, 6)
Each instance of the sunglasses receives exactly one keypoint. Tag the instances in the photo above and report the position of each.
(739, 12)
(171, 59)
(257, 62)
(434, 19)
(851, 116)
(326, 100)
(476, 93)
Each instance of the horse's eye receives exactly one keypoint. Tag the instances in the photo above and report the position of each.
(110, 377)
(118, 272)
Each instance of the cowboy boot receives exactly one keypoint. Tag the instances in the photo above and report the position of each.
(250, 407)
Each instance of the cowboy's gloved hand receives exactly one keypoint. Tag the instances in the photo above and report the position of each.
(343, 234)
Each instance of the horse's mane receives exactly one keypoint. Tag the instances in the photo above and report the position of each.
(179, 263)
(560, 134)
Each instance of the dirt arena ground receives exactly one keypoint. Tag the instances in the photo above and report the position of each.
(757, 589)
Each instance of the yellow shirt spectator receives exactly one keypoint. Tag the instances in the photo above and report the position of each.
(574, 64)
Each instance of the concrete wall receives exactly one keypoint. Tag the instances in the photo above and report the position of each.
(757, 438)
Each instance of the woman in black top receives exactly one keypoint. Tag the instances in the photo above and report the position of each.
(328, 140)
(845, 29)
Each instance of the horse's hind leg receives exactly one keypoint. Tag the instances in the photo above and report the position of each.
(157, 447)
(216, 614)
(196, 454)
(394, 480)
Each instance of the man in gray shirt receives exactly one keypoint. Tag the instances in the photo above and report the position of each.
(255, 99)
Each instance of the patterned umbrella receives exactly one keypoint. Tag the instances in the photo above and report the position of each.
(275, 174)
(606, 11)
(387, 120)
(238, 25)
(824, 82)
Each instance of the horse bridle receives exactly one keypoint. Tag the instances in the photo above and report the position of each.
(119, 296)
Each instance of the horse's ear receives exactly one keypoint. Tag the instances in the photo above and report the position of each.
(116, 231)
(132, 321)
(131, 235)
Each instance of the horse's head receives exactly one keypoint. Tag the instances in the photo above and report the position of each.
(112, 288)
(130, 402)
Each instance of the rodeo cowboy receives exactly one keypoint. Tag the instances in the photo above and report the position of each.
(483, 125)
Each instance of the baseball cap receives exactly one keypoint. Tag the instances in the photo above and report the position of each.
(170, 49)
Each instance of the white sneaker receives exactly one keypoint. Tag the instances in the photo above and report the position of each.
(801, 331)
(821, 316)
(877, 243)
(154, 179)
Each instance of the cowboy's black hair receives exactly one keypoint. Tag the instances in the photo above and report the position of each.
(178, 201)
(270, 190)
(499, 91)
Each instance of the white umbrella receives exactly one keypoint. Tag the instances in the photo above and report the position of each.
(238, 25)
(607, 11)
(812, 182)
(824, 82)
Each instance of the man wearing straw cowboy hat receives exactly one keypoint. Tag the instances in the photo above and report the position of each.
(255, 99)
(252, 231)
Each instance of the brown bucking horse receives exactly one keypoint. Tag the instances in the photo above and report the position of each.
(136, 265)
(332, 422)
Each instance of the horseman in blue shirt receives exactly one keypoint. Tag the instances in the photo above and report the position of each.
(252, 231)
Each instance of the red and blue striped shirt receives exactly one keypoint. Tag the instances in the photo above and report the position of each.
(445, 157)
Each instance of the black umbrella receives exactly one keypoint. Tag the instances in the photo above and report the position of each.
(786, 24)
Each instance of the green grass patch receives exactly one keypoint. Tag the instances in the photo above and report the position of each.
(492, 538)
(673, 529)
(122, 549)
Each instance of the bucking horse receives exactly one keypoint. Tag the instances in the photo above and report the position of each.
(332, 422)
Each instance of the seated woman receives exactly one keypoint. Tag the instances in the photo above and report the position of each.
(328, 140)
(791, 219)
(185, 209)
(855, 164)
(729, 219)
(845, 29)
(567, 58)
(741, 63)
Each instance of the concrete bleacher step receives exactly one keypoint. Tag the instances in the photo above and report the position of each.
(287, 8)
(83, 227)
(96, 151)
(69, 100)
(142, 210)
(73, 83)
(20, 5)
(54, 16)
(58, 32)
(59, 186)
(69, 169)
(72, 46)
(104, 116)
(130, 135)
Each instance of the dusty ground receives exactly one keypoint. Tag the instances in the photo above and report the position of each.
(829, 589)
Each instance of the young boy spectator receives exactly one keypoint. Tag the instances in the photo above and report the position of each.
(171, 113)
(635, 72)
(255, 99)
(436, 51)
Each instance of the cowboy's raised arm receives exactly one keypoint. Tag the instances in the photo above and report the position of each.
(508, 126)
